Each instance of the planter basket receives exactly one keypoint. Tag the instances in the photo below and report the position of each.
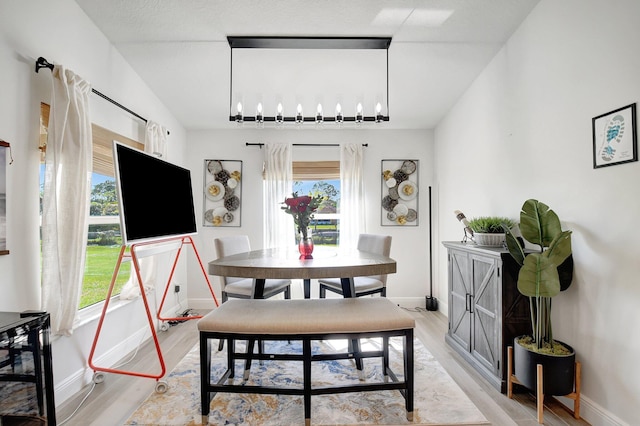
(489, 240)
(544, 374)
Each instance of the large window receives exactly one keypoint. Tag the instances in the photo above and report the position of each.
(321, 177)
(103, 234)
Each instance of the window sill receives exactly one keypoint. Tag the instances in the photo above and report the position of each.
(93, 312)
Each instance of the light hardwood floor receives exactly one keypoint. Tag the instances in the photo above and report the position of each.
(111, 402)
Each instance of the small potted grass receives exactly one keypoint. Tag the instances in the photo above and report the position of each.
(489, 230)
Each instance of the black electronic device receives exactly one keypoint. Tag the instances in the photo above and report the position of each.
(155, 196)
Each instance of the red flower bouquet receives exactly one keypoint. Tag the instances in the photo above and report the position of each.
(302, 209)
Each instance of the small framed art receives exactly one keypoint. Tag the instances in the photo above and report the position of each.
(222, 192)
(614, 137)
(400, 193)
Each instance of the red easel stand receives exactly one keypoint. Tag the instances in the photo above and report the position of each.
(160, 386)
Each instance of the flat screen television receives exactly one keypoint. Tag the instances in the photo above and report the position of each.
(155, 196)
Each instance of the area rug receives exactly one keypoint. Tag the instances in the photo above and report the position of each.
(438, 400)
(18, 398)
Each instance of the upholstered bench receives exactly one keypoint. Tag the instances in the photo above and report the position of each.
(305, 320)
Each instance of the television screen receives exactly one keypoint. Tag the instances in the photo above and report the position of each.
(154, 196)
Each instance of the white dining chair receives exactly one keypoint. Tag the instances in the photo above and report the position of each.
(242, 288)
(372, 243)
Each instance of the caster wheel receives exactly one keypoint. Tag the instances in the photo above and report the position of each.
(98, 377)
(162, 387)
(164, 326)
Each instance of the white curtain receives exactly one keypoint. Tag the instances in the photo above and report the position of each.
(155, 142)
(65, 203)
(278, 185)
(352, 214)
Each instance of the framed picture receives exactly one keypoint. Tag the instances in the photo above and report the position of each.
(614, 137)
(400, 193)
(222, 192)
(4, 146)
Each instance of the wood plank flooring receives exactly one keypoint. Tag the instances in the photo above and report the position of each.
(110, 403)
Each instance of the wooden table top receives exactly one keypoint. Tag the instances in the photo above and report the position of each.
(286, 263)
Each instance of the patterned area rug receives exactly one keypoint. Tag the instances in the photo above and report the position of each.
(17, 398)
(437, 399)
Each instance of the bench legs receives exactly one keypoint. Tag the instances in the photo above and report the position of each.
(209, 387)
(408, 373)
(306, 374)
(205, 372)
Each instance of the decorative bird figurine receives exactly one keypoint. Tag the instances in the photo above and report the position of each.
(468, 232)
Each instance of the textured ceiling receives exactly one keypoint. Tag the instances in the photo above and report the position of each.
(179, 47)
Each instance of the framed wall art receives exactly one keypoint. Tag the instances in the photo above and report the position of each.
(4, 147)
(400, 193)
(614, 137)
(222, 192)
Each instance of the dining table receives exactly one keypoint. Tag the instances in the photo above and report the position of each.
(287, 263)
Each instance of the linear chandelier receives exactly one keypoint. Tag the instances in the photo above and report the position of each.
(281, 80)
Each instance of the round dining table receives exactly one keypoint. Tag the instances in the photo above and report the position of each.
(283, 263)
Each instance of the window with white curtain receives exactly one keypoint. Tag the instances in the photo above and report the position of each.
(103, 233)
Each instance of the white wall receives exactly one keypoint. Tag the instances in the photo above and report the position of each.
(409, 245)
(523, 130)
(59, 31)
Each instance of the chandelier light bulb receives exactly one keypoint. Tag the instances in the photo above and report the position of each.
(339, 117)
(239, 118)
(299, 117)
(259, 115)
(359, 113)
(319, 117)
(378, 113)
(279, 117)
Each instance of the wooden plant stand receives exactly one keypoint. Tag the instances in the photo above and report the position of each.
(575, 395)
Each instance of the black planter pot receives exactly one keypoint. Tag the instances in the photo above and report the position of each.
(557, 370)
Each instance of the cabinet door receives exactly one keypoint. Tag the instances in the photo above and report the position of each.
(460, 298)
(485, 325)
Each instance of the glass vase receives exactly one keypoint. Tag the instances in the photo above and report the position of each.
(305, 245)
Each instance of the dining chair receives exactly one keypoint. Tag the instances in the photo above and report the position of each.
(242, 288)
(372, 243)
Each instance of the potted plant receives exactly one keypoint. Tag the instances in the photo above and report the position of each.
(489, 230)
(544, 273)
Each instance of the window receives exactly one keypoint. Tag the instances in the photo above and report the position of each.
(321, 177)
(103, 234)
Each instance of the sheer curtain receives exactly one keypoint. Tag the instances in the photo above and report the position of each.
(352, 217)
(155, 142)
(278, 184)
(65, 202)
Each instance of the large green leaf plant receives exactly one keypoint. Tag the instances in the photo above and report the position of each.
(544, 273)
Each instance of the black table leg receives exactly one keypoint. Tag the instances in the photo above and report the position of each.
(258, 288)
(48, 372)
(307, 288)
(348, 290)
(348, 287)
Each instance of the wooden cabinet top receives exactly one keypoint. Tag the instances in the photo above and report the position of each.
(473, 247)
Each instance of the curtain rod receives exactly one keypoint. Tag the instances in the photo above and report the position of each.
(302, 144)
(43, 63)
